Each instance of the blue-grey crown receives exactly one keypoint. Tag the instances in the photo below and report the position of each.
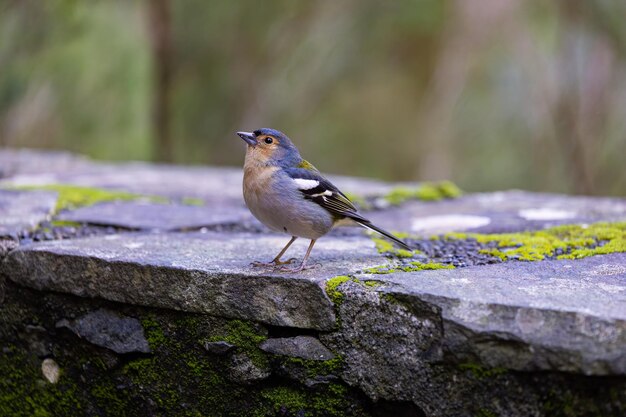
(270, 132)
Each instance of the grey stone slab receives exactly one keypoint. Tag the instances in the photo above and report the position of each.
(215, 184)
(305, 347)
(24, 210)
(152, 216)
(110, 330)
(499, 212)
(17, 162)
(196, 272)
(563, 315)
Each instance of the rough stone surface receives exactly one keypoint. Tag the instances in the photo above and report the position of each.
(23, 210)
(202, 272)
(305, 347)
(50, 370)
(151, 216)
(498, 212)
(244, 371)
(37, 339)
(106, 329)
(219, 348)
(6, 246)
(17, 162)
(563, 315)
(515, 338)
(396, 350)
(209, 183)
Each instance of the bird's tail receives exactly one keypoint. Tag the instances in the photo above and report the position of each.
(368, 225)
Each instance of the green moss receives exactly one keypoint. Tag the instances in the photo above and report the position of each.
(429, 266)
(384, 246)
(381, 269)
(24, 392)
(73, 196)
(153, 332)
(64, 223)
(426, 192)
(193, 201)
(372, 283)
(316, 368)
(247, 339)
(411, 267)
(480, 372)
(573, 241)
(149, 372)
(332, 401)
(107, 397)
(332, 286)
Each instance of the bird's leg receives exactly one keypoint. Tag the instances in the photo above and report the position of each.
(303, 264)
(276, 261)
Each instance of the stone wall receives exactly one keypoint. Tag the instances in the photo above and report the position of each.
(127, 290)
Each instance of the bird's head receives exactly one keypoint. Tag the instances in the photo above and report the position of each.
(270, 147)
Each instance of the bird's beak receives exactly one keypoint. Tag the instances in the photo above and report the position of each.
(250, 138)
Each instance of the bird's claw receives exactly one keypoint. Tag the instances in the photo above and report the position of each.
(273, 264)
(297, 269)
(257, 264)
(287, 262)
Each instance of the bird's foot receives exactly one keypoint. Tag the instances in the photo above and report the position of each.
(287, 262)
(300, 268)
(273, 264)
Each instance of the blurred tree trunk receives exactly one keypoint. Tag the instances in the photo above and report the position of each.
(160, 33)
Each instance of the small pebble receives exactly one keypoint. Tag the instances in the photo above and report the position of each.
(50, 370)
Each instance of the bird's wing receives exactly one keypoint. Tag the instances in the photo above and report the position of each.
(318, 189)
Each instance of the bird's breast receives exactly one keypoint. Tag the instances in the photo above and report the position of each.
(279, 205)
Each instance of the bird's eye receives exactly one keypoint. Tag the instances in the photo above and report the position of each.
(268, 140)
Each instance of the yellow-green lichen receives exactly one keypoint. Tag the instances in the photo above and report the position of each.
(73, 196)
(563, 242)
(428, 191)
(64, 223)
(193, 201)
(410, 267)
(332, 291)
(386, 247)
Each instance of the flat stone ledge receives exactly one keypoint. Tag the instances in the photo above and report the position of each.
(16, 162)
(162, 217)
(551, 315)
(195, 272)
(24, 210)
(214, 184)
(499, 212)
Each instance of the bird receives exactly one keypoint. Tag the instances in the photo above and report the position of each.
(289, 195)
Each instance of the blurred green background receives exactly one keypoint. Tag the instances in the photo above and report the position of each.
(492, 94)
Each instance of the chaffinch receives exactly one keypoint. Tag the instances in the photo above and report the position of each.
(289, 195)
